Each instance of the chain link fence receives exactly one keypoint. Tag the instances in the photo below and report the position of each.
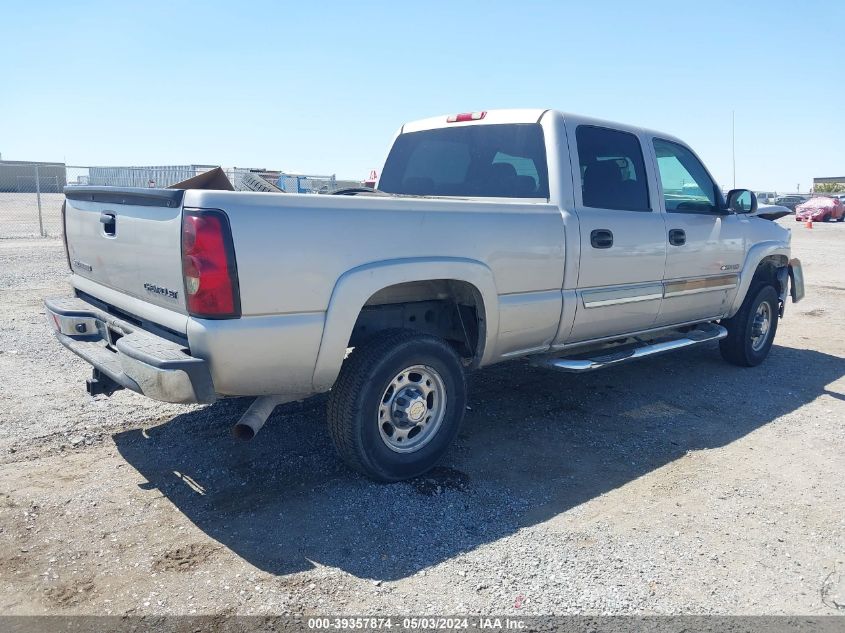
(31, 194)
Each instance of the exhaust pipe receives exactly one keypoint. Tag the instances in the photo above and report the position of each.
(254, 418)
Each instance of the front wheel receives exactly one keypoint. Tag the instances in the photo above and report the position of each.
(397, 405)
(751, 331)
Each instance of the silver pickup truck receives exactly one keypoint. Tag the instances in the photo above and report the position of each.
(491, 236)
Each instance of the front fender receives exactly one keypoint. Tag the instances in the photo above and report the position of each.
(756, 254)
(356, 286)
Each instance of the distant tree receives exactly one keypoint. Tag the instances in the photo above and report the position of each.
(830, 187)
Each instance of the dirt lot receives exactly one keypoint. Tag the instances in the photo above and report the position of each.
(679, 485)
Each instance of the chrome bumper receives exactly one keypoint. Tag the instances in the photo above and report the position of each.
(131, 357)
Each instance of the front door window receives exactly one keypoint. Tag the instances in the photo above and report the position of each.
(686, 185)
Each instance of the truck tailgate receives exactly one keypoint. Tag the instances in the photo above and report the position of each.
(128, 240)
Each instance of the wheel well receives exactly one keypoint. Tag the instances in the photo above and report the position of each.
(448, 308)
(768, 271)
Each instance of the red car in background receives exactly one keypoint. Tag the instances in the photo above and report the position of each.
(820, 209)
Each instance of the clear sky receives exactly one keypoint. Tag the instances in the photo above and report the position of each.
(321, 88)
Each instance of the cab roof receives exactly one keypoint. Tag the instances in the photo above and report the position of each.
(491, 117)
(523, 115)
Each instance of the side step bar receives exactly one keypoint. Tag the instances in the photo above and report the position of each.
(702, 334)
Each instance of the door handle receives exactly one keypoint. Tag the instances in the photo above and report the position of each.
(601, 238)
(109, 223)
(677, 237)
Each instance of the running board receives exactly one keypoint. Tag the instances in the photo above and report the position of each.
(702, 334)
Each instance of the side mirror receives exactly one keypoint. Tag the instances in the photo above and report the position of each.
(742, 201)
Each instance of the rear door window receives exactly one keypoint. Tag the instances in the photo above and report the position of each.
(612, 169)
(507, 161)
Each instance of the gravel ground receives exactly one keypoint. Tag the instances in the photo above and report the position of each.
(679, 485)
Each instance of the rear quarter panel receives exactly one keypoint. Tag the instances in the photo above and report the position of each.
(292, 250)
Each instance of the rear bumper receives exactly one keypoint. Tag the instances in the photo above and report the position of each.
(133, 358)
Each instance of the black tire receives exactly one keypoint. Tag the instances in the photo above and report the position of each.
(355, 401)
(738, 347)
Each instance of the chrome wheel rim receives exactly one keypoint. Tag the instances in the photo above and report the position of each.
(761, 326)
(412, 409)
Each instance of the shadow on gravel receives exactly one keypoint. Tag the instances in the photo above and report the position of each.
(534, 444)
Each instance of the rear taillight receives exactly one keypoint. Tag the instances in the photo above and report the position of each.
(208, 265)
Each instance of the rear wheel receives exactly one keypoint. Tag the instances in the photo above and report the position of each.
(397, 405)
(751, 331)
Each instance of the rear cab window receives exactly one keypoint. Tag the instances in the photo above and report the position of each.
(502, 161)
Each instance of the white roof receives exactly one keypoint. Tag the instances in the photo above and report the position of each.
(491, 118)
(525, 115)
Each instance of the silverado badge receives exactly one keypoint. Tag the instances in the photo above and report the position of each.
(159, 290)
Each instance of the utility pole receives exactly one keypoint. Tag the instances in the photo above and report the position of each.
(733, 145)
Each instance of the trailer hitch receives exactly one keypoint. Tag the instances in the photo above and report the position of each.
(100, 384)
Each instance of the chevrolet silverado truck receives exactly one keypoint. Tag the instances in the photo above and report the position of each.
(491, 236)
